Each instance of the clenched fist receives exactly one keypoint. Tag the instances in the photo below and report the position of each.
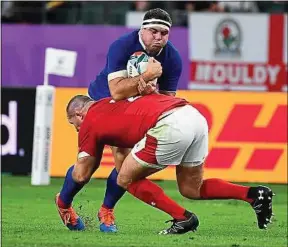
(153, 71)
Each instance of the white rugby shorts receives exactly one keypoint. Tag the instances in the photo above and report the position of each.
(179, 138)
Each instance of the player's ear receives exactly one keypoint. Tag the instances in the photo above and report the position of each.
(78, 114)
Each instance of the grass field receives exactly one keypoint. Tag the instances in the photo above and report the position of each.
(29, 218)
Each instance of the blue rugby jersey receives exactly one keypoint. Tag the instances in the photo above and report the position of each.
(116, 62)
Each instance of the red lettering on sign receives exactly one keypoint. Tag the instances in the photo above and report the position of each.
(239, 126)
(264, 159)
(221, 158)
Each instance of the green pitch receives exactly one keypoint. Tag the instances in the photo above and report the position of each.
(29, 218)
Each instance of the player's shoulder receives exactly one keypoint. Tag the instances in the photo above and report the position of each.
(97, 108)
(127, 39)
(100, 103)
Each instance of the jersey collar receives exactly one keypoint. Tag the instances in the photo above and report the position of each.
(143, 46)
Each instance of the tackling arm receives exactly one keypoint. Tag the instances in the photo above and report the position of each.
(85, 166)
(90, 152)
(167, 93)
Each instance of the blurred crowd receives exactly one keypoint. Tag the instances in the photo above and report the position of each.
(113, 12)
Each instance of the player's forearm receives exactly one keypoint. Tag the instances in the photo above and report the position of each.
(167, 93)
(124, 88)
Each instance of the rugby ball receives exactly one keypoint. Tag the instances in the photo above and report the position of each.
(137, 64)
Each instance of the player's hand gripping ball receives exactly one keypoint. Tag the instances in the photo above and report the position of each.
(137, 64)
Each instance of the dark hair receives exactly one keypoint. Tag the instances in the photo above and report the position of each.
(78, 101)
(157, 14)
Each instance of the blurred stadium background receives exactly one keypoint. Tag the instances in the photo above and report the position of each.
(234, 71)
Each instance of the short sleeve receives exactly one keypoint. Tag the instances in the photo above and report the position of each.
(117, 60)
(87, 141)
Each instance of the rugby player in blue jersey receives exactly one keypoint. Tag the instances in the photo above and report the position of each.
(165, 65)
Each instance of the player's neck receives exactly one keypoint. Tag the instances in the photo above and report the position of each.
(87, 106)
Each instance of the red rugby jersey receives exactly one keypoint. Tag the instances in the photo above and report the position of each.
(122, 123)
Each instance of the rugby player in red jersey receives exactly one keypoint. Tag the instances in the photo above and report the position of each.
(161, 130)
